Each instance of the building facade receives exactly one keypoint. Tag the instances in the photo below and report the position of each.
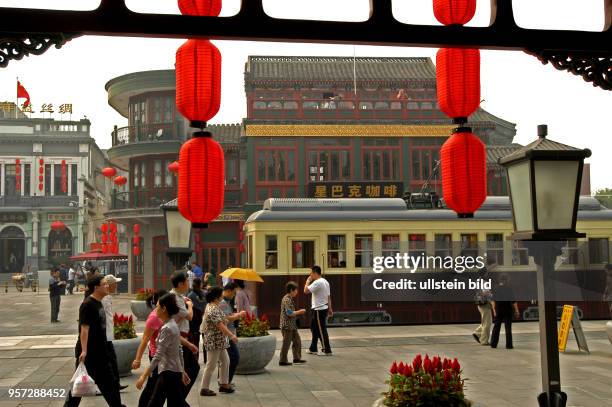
(50, 171)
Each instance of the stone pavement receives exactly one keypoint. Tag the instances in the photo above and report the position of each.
(35, 353)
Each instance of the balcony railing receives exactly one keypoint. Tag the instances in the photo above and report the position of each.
(37, 201)
(148, 133)
(153, 198)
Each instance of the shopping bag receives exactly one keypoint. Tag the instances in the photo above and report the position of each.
(82, 384)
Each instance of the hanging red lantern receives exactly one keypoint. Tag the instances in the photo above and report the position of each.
(241, 236)
(136, 250)
(241, 248)
(104, 227)
(104, 238)
(136, 240)
(104, 248)
(450, 12)
(113, 227)
(120, 180)
(200, 7)
(198, 81)
(58, 226)
(201, 184)
(136, 228)
(173, 167)
(464, 172)
(109, 172)
(458, 82)
(64, 176)
(41, 161)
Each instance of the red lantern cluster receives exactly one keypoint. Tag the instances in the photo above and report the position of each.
(64, 176)
(41, 174)
(113, 241)
(58, 226)
(173, 167)
(136, 240)
(451, 12)
(120, 180)
(109, 172)
(18, 176)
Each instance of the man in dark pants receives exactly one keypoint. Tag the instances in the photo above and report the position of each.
(229, 292)
(56, 287)
(91, 346)
(503, 304)
(321, 308)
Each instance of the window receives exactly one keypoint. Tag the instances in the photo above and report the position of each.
(416, 245)
(495, 248)
(168, 179)
(271, 252)
(310, 105)
(168, 109)
(47, 179)
(443, 245)
(26, 181)
(302, 254)
(10, 180)
(231, 169)
(381, 105)
(346, 105)
(290, 105)
(143, 174)
(157, 173)
(520, 254)
(260, 105)
(570, 252)
(274, 165)
(413, 106)
(136, 175)
(73, 179)
(469, 244)
(426, 106)
(329, 165)
(599, 250)
(424, 161)
(275, 104)
(156, 110)
(396, 105)
(390, 245)
(365, 105)
(336, 251)
(363, 250)
(381, 164)
(58, 186)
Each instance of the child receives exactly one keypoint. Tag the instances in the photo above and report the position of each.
(288, 326)
(168, 359)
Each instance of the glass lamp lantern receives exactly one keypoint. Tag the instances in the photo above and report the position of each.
(544, 180)
(179, 234)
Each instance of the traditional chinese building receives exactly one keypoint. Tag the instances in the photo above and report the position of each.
(49, 171)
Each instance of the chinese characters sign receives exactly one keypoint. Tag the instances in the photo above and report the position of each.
(64, 108)
(13, 217)
(355, 189)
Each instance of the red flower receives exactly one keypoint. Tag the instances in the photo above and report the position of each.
(456, 366)
(393, 369)
(130, 320)
(447, 376)
(427, 364)
(446, 364)
(437, 364)
(264, 317)
(407, 370)
(416, 363)
(400, 368)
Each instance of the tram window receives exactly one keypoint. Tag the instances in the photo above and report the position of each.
(520, 255)
(390, 245)
(598, 250)
(442, 244)
(416, 245)
(302, 254)
(336, 251)
(570, 252)
(250, 251)
(363, 250)
(469, 244)
(495, 248)
(271, 252)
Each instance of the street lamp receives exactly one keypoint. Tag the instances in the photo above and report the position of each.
(179, 232)
(544, 182)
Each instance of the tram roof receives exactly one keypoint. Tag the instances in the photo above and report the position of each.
(372, 209)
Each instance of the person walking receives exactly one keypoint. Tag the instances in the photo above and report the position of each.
(482, 333)
(185, 314)
(91, 348)
(63, 277)
(321, 307)
(288, 326)
(198, 299)
(151, 331)
(172, 379)
(55, 291)
(243, 297)
(216, 344)
(226, 305)
(71, 277)
(503, 304)
(190, 277)
(197, 271)
(107, 303)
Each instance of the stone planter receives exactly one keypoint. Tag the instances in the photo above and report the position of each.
(379, 403)
(140, 309)
(126, 352)
(255, 354)
(609, 330)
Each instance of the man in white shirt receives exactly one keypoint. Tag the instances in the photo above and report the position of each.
(107, 303)
(321, 306)
(71, 276)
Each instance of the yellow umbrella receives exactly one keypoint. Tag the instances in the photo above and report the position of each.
(242, 274)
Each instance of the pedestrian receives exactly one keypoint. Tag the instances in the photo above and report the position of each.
(243, 297)
(185, 314)
(482, 333)
(149, 336)
(288, 326)
(172, 379)
(91, 346)
(226, 305)
(190, 277)
(198, 299)
(63, 277)
(107, 303)
(503, 303)
(71, 277)
(55, 291)
(216, 344)
(197, 270)
(321, 307)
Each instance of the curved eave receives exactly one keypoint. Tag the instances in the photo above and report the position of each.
(121, 88)
(121, 154)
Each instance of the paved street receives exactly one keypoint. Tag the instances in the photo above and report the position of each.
(35, 353)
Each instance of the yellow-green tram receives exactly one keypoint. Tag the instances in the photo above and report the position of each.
(288, 236)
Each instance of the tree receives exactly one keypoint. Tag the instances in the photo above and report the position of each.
(604, 196)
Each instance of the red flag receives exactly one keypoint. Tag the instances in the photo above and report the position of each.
(23, 93)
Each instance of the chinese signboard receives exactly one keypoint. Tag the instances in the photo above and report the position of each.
(13, 217)
(355, 189)
(65, 217)
(230, 217)
(64, 108)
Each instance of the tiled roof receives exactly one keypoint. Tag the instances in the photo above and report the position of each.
(226, 133)
(496, 152)
(304, 68)
(543, 144)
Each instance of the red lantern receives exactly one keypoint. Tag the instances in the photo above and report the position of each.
(104, 238)
(136, 228)
(198, 81)
(201, 184)
(136, 240)
(104, 248)
(41, 162)
(104, 228)
(458, 82)
(450, 12)
(173, 167)
(464, 172)
(120, 180)
(58, 226)
(241, 248)
(200, 7)
(109, 172)
(64, 176)
(113, 227)
(136, 250)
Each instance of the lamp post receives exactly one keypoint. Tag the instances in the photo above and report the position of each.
(179, 232)
(544, 184)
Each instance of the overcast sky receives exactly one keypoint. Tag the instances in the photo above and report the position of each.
(515, 86)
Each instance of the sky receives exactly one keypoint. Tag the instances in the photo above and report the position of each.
(514, 85)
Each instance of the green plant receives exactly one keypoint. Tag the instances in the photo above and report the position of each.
(144, 294)
(252, 326)
(426, 383)
(123, 326)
